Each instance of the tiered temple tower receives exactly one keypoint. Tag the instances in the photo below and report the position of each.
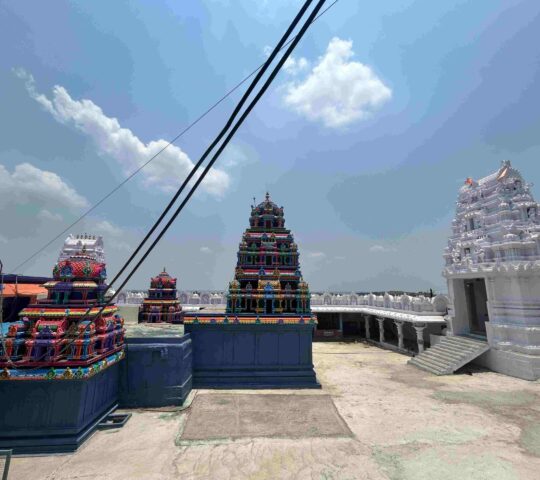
(267, 278)
(161, 304)
(92, 244)
(493, 270)
(60, 336)
(264, 338)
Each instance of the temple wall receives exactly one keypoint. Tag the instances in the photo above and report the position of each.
(157, 372)
(240, 356)
(46, 416)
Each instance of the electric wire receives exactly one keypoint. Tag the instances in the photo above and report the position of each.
(218, 138)
(250, 107)
(171, 142)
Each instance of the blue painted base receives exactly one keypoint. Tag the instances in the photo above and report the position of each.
(157, 372)
(55, 416)
(252, 356)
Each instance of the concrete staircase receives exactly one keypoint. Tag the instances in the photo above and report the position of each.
(450, 354)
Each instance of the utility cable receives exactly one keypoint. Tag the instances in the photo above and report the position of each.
(171, 142)
(274, 73)
(252, 104)
(220, 135)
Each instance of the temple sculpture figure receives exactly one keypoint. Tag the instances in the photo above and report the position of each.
(268, 291)
(493, 271)
(60, 336)
(161, 304)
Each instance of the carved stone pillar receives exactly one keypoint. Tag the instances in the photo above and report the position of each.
(366, 322)
(399, 325)
(381, 329)
(419, 327)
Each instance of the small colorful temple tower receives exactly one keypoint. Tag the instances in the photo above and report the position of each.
(60, 361)
(161, 304)
(60, 336)
(264, 337)
(493, 271)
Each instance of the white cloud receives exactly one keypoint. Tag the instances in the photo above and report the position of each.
(381, 249)
(267, 50)
(316, 255)
(49, 216)
(205, 250)
(107, 228)
(31, 185)
(337, 91)
(165, 172)
(294, 66)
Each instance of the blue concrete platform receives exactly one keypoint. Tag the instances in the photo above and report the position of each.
(157, 372)
(252, 356)
(55, 416)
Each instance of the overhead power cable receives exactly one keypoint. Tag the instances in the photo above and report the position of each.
(237, 125)
(250, 107)
(171, 142)
(220, 135)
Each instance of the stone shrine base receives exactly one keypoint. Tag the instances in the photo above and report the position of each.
(252, 356)
(156, 372)
(514, 364)
(44, 416)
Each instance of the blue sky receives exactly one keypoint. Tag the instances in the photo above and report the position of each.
(364, 139)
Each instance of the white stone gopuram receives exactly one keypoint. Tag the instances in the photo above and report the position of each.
(493, 271)
(92, 244)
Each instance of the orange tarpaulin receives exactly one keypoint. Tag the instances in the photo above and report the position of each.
(23, 290)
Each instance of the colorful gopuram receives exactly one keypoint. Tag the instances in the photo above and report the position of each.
(161, 304)
(264, 337)
(268, 283)
(62, 336)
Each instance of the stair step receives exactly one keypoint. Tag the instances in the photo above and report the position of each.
(427, 369)
(434, 360)
(446, 355)
(450, 354)
(427, 365)
(457, 349)
(458, 344)
(464, 341)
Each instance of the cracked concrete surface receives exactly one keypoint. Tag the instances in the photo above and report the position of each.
(406, 424)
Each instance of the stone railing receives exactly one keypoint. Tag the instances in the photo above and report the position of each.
(420, 303)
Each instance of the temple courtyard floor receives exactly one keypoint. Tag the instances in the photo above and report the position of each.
(375, 418)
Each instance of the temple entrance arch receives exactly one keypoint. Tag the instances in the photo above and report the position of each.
(476, 303)
(470, 306)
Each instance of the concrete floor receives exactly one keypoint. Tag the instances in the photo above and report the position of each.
(406, 424)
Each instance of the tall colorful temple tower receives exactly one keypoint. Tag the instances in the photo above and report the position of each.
(60, 336)
(267, 280)
(161, 304)
(264, 338)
